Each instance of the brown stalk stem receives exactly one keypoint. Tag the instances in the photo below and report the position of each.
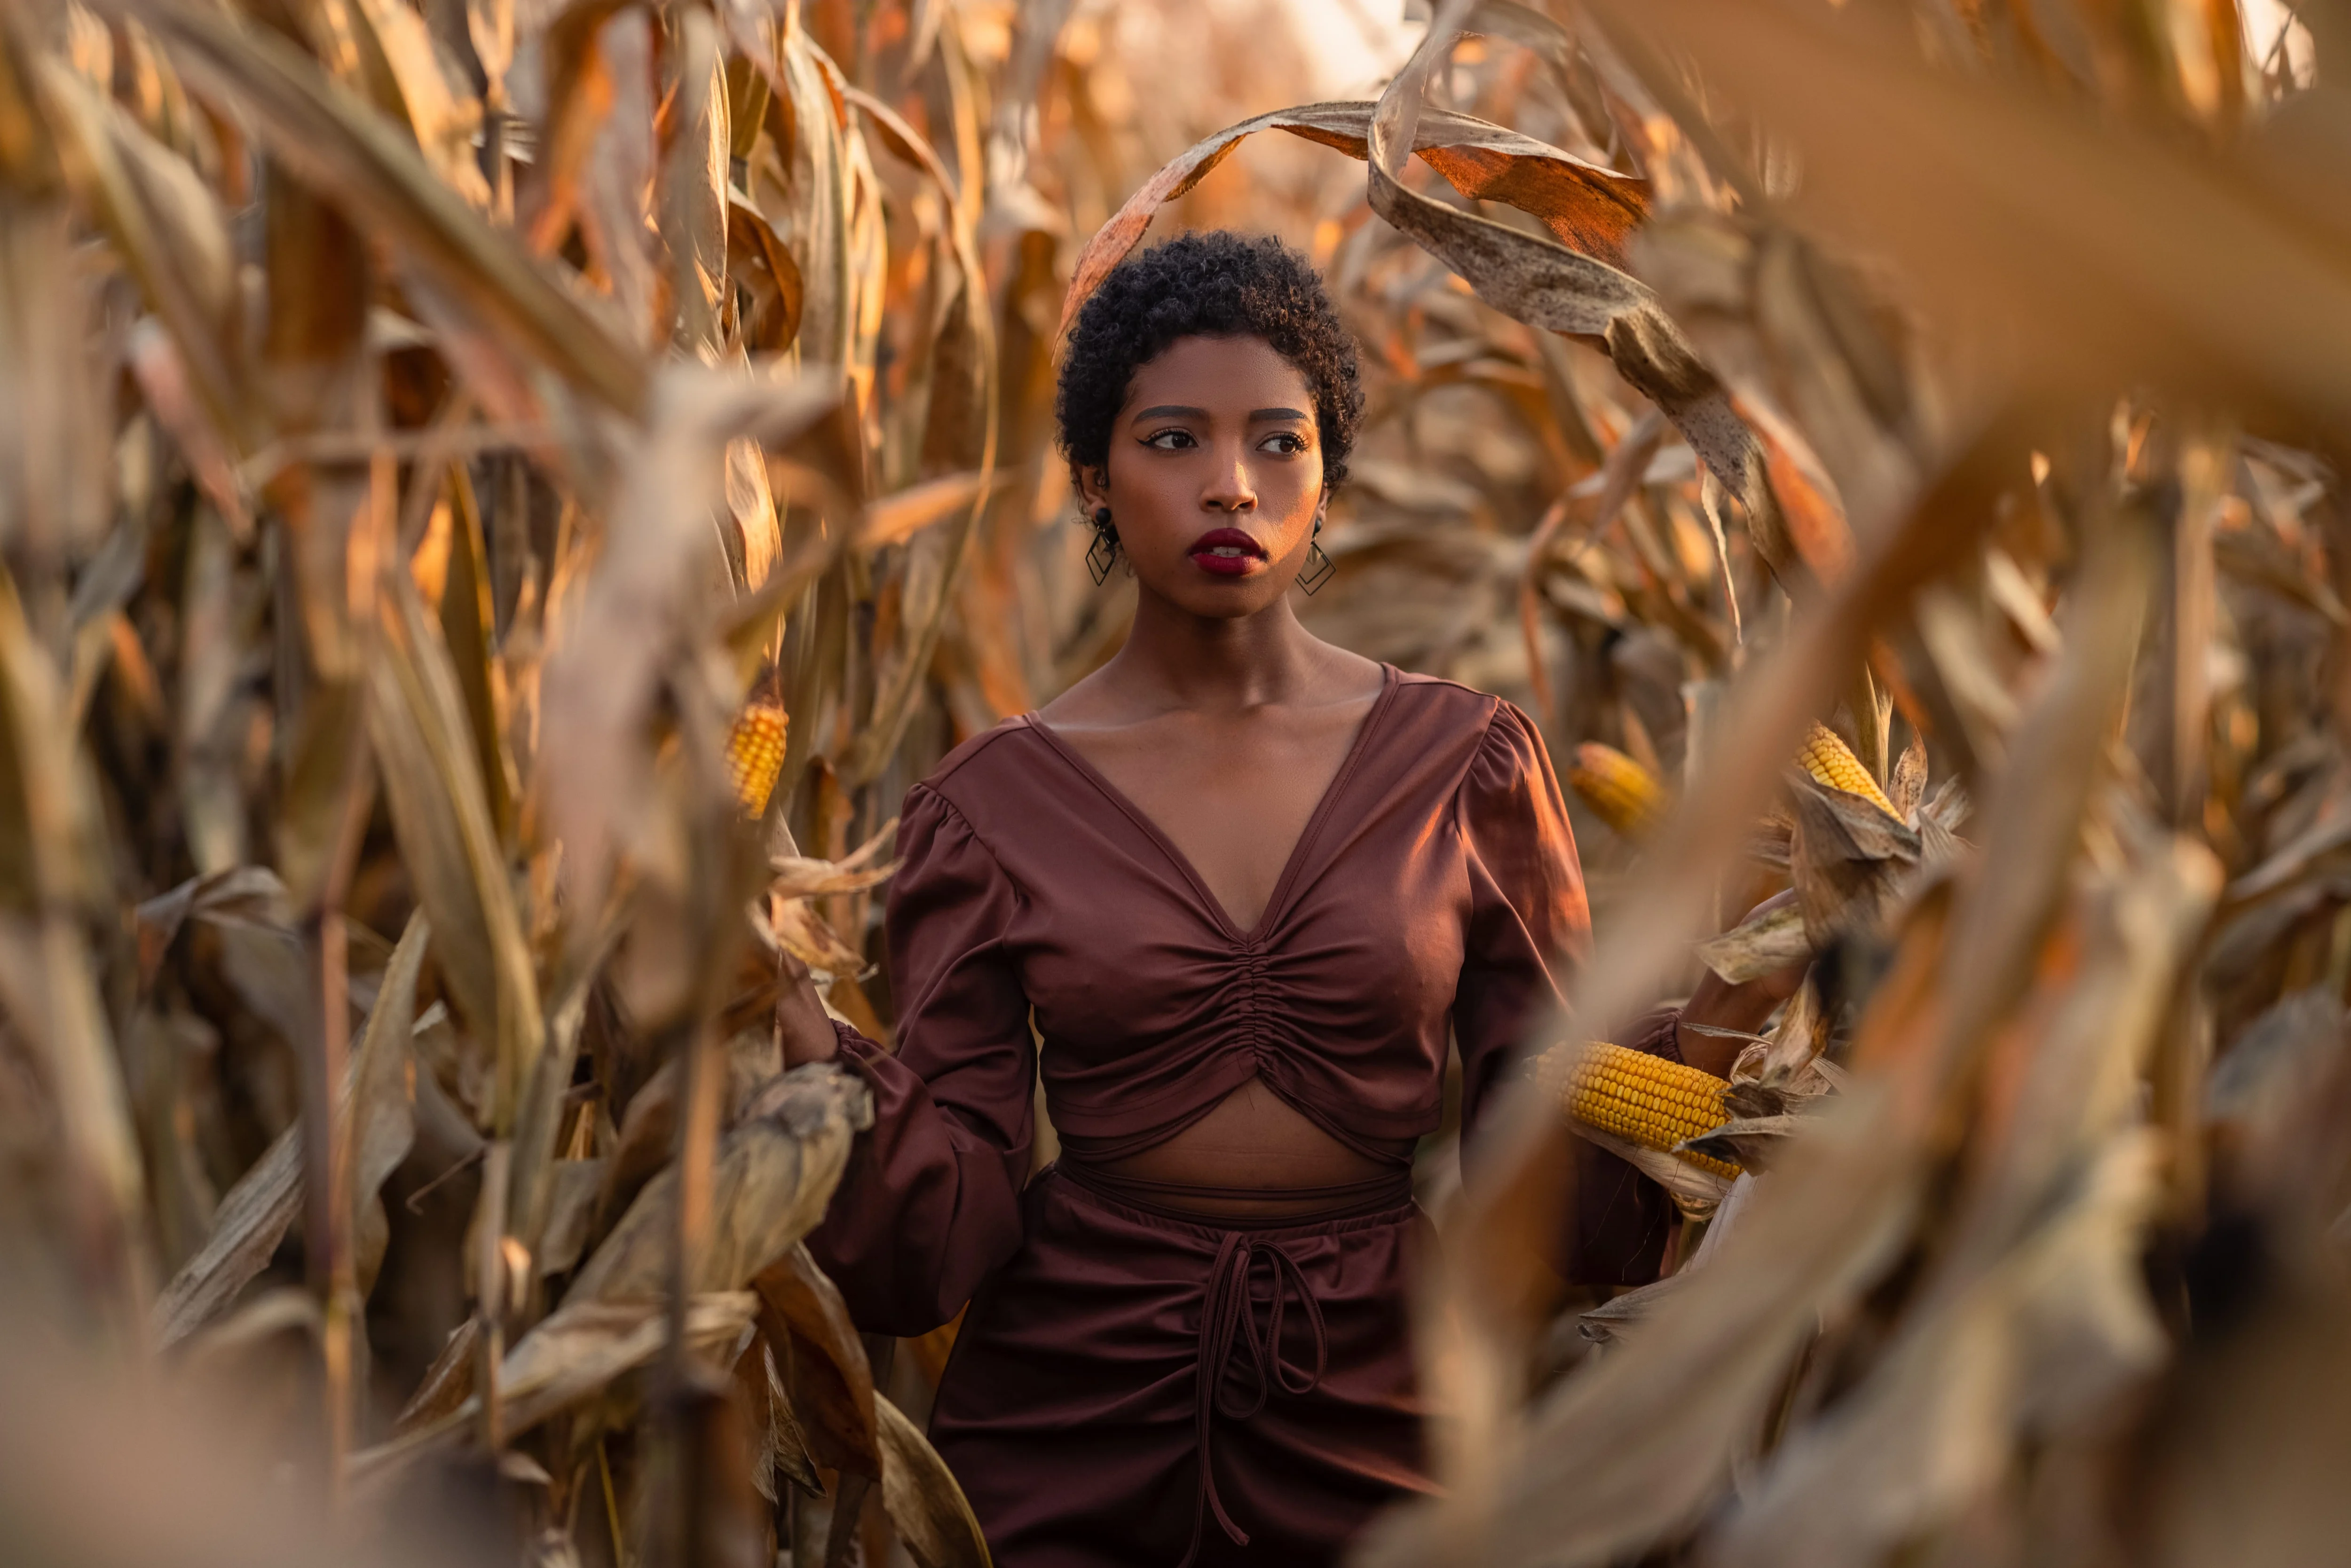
(327, 1152)
(704, 1071)
(490, 1293)
(697, 1145)
(333, 1274)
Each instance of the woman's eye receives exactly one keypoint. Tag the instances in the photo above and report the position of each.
(1286, 443)
(1169, 440)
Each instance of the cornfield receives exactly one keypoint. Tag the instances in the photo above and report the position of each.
(499, 501)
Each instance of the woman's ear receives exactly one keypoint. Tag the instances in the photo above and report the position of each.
(1092, 486)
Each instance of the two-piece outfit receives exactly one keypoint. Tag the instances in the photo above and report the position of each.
(1134, 1385)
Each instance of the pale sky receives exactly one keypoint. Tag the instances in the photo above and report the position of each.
(1355, 45)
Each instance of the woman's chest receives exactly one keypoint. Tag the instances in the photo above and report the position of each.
(1366, 939)
(1235, 802)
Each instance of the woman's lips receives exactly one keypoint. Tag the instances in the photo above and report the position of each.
(1227, 552)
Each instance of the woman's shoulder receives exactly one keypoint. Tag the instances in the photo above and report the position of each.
(1483, 745)
(1439, 705)
(1005, 753)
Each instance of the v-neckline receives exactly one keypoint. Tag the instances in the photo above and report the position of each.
(1208, 901)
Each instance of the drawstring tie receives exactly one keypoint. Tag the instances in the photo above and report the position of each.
(1229, 1310)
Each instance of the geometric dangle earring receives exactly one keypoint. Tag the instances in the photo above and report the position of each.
(1318, 564)
(1104, 553)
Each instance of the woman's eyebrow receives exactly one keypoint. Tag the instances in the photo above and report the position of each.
(1263, 413)
(1171, 410)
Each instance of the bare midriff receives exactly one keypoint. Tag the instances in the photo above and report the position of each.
(1261, 1151)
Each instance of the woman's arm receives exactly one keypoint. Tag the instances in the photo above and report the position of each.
(1527, 931)
(931, 1201)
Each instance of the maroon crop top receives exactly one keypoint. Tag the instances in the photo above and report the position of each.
(1435, 885)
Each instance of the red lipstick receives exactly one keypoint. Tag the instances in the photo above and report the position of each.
(1227, 552)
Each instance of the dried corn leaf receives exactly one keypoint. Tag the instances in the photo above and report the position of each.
(48, 981)
(1593, 209)
(935, 1522)
(424, 740)
(791, 925)
(405, 81)
(1847, 858)
(373, 1106)
(775, 1171)
(803, 1316)
(960, 430)
(361, 162)
(812, 198)
(639, 605)
(2038, 1311)
(798, 876)
(1752, 1142)
(1765, 943)
(571, 1357)
(169, 230)
(1636, 1446)
(1544, 284)
(251, 1221)
(2126, 256)
(376, 1124)
(894, 519)
(2040, 1337)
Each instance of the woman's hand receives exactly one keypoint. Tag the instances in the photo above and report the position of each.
(1718, 1004)
(801, 1017)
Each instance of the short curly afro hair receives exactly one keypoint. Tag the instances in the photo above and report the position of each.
(1216, 283)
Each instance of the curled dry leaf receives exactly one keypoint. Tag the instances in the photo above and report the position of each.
(961, 430)
(798, 876)
(1546, 285)
(790, 926)
(1591, 208)
(2012, 338)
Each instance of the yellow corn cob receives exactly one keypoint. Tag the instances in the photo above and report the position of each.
(1624, 794)
(1827, 759)
(755, 754)
(1644, 1099)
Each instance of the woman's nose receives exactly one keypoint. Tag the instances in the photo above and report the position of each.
(1230, 490)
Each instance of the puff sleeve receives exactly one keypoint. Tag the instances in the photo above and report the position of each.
(1530, 927)
(931, 1201)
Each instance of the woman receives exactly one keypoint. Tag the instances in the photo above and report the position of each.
(1242, 881)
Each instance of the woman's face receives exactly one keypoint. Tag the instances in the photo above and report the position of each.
(1215, 475)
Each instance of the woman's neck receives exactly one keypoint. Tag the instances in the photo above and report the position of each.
(1199, 662)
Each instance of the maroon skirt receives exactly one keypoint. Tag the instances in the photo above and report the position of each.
(1139, 1388)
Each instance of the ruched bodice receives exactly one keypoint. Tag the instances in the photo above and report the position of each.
(1153, 1006)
